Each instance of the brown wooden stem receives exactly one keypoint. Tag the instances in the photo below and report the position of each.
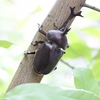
(91, 7)
(58, 14)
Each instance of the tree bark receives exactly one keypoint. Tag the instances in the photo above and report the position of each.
(58, 14)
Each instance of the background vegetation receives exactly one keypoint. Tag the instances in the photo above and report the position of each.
(18, 24)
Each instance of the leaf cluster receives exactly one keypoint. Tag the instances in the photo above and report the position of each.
(86, 89)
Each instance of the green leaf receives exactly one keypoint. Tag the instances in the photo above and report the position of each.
(84, 79)
(96, 70)
(47, 92)
(92, 31)
(38, 9)
(21, 23)
(97, 56)
(92, 15)
(5, 44)
(78, 49)
(1, 95)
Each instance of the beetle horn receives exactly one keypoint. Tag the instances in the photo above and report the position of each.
(66, 31)
(71, 16)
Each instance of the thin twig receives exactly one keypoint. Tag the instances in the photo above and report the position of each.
(91, 7)
(67, 64)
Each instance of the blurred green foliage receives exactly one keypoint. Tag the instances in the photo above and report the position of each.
(18, 25)
(84, 79)
(48, 92)
(5, 44)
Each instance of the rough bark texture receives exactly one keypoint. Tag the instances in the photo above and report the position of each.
(58, 14)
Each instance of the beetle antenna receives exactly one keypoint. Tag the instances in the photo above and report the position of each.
(71, 16)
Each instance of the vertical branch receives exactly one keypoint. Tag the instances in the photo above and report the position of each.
(60, 11)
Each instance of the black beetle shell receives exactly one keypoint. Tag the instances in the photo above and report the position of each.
(57, 37)
(46, 58)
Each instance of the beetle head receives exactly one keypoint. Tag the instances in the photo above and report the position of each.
(58, 37)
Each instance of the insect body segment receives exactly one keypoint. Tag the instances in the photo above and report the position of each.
(46, 58)
(49, 52)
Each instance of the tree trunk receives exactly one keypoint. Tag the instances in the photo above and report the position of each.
(58, 14)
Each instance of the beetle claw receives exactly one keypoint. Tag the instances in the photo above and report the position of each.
(55, 68)
(40, 28)
(25, 53)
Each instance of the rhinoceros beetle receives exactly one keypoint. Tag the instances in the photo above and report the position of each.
(49, 52)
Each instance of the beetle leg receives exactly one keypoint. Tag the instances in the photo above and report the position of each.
(67, 46)
(37, 42)
(30, 52)
(41, 29)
